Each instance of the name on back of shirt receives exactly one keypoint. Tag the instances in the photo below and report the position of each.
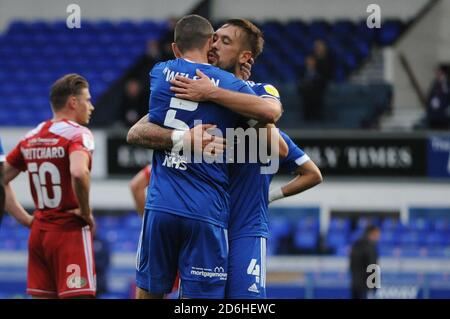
(170, 75)
(43, 152)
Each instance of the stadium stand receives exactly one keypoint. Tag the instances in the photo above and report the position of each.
(32, 54)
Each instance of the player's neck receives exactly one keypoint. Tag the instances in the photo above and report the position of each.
(63, 116)
(195, 56)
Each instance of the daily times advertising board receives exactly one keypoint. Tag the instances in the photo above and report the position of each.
(427, 156)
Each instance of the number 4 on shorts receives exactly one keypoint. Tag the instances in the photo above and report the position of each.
(254, 269)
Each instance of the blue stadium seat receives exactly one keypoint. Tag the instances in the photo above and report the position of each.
(133, 221)
(355, 235)
(340, 224)
(110, 47)
(420, 224)
(363, 222)
(19, 27)
(306, 239)
(319, 29)
(337, 239)
(279, 226)
(391, 224)
(343, 251)
(441, 224)
(105, 26)
(343, 28)
(39, 26)
(389, 32)
(389, 251)
(308, 223)
(434, 239)
(410, 237)
(389, 237)
(128, 26)
(364, 32)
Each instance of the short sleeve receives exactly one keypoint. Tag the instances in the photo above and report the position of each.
(243, 87)
(83, 141)
(268, 91)
(15, 159)
(296, 156)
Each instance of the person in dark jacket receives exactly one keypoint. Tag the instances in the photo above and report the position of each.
(438, 101)
(102, 253)
(364, 253)
(311, 89)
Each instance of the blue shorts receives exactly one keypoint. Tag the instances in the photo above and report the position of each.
(247, 268)
(198, 250)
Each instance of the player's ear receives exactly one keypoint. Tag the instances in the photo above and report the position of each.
(176, 51)
(245, 56)
(210, 42)
(72, 102)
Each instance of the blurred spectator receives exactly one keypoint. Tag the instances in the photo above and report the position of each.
(324, 60)
(312, 88)
(141, 69)
(102, 255)
(438, 101)
(134, 105)
(167, 40)
(363, 253)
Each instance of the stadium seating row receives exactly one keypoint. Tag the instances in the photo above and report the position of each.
(34, 54)
(421, 237)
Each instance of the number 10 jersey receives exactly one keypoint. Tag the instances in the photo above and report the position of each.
(44, 152)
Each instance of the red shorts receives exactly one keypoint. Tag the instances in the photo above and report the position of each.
(61, 263)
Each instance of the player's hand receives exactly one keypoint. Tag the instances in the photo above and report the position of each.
(246, 69)
(91, 222)
(88, 218)
(194, 90)
(202, 142)
(30, 221)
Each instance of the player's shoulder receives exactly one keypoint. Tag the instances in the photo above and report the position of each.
(35, 131)
(69, 130)
(261, 88)
(175, 64)
(162, 64)
(159, 67)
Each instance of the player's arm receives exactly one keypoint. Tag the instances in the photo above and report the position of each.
(308, 176)
(272, 131)
(12, 205)
(150, 135)
(272, 134)
(81, 183)
(248, 105)
(138, 184)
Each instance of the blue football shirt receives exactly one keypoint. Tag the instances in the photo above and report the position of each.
(249, 188)
(193, 190)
